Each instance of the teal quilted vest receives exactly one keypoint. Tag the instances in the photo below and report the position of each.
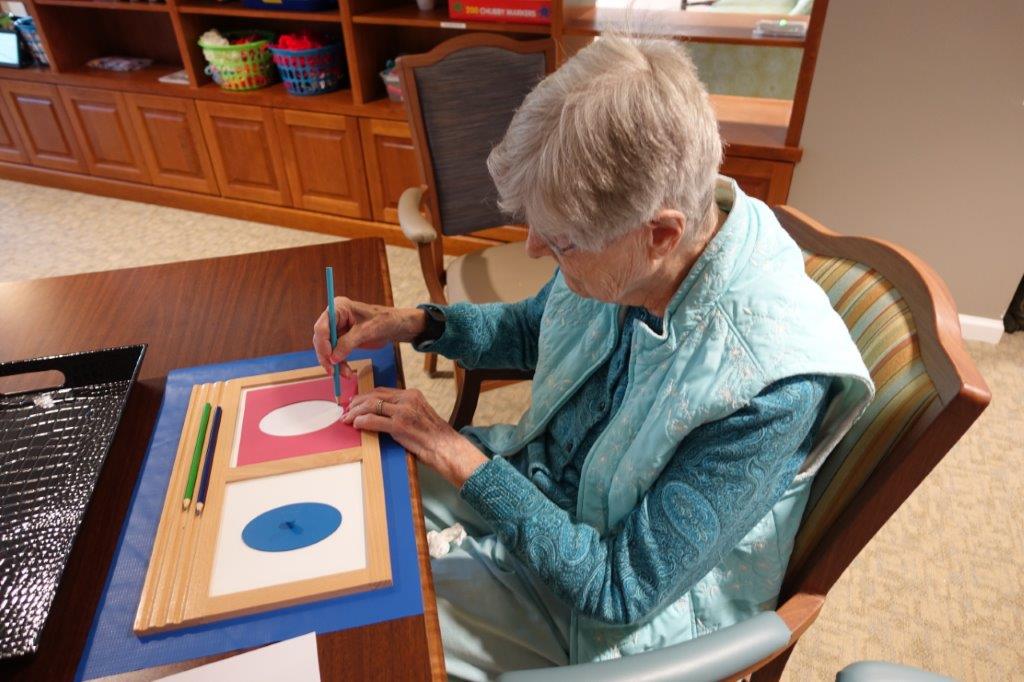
(745, 317)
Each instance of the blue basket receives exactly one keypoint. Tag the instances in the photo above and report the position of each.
(310, 72)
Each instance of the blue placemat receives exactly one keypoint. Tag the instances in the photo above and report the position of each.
(112, 646)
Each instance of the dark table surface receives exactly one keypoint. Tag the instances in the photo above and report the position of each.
(194, 313)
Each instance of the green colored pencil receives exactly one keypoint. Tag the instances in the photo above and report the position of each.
(193, 471)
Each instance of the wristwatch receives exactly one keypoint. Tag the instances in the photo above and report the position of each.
(434, 328)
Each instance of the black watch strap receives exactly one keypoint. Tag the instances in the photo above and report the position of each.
(434, 328)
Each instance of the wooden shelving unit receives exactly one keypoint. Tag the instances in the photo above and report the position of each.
(693, 25)
(111, 4)
(335, 162)
(438, 18)
(755, 122)
(143, 79)
(220, 9)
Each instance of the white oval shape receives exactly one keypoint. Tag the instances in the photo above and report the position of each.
(298, 419)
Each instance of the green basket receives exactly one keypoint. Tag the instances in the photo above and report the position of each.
(249, 66)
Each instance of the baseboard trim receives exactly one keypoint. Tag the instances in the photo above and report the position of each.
(985, 329)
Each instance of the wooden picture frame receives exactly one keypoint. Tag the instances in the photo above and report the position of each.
(176, 592)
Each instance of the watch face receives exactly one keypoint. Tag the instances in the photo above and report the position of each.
(435, 322)
(434, 327)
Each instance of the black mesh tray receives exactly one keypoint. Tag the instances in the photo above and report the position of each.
(53, 443)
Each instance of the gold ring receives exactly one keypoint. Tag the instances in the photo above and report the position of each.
(380, 407)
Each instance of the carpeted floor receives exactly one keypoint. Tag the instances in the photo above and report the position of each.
(939, 587)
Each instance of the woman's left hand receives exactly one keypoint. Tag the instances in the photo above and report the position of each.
(409, 418)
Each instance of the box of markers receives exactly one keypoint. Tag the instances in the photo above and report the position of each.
(511, 11)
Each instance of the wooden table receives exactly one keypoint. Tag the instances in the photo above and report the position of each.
(194, 313)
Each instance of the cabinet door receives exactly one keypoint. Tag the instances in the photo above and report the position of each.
(391, 165)
(245, 151)
(105, 133)
(43, 125)
(324, 162)
(767, 180)
(172, 143)
(10, 144)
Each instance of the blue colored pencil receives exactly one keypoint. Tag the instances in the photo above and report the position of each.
(211, 447)
(333, 321)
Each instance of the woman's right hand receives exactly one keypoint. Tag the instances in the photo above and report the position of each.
(362, 325)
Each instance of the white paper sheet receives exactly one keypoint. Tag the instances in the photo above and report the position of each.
(237, 567)
(295, 660)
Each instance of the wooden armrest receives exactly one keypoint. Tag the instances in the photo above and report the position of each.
(420, 231)
(798, 612)
(414, 225)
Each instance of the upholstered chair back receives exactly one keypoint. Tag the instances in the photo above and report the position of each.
(467, 100)
(883, 329)
(927, 393)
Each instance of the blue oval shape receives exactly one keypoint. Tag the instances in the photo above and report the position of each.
(292, 526)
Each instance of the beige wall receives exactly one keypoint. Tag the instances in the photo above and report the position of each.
(915, 133)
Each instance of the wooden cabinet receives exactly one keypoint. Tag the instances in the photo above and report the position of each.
(767, 180)
(10, 144)
(105, 133)
(172, 143)
(391, 165)
(323, 160)
(337, 162)
(245, 151)
(43, 125)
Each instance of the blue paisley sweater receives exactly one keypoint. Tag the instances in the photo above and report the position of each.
(725, 476)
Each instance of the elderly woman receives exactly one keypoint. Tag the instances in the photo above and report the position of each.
(689, 380)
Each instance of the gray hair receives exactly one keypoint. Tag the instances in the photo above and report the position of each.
(621, 131)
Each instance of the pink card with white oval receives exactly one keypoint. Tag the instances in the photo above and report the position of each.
(293, 420)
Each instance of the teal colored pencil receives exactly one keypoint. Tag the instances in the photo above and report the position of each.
(333, 321)
(193, 471)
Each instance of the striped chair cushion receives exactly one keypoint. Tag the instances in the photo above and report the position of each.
(884, 331)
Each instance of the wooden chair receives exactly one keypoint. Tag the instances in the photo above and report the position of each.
(929, 392)
(460, 98)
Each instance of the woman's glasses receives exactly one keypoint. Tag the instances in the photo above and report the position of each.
(560, 248)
